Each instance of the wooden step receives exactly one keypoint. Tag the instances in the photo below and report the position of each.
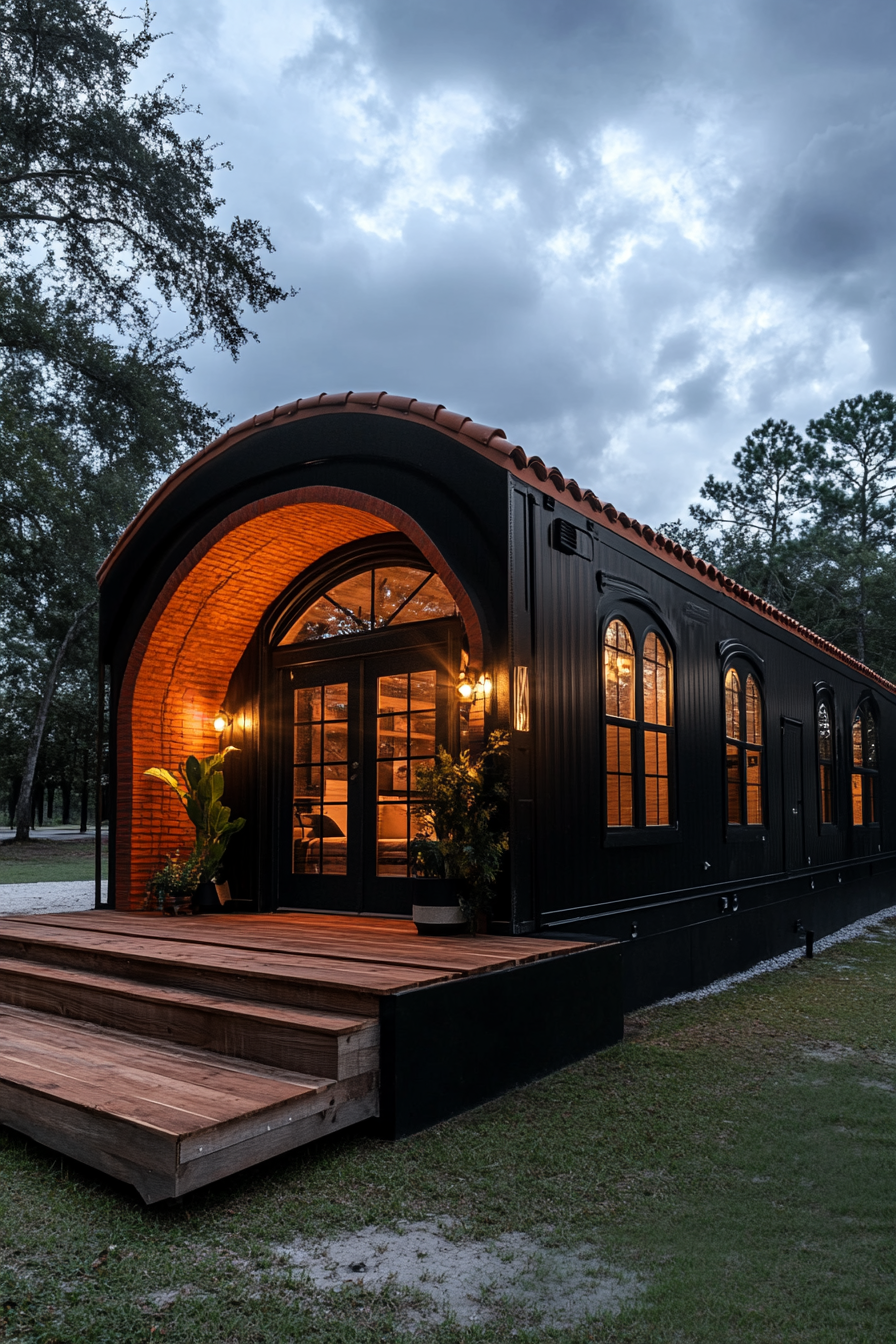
(288, 977)
(164, 1118)
(306, 1040)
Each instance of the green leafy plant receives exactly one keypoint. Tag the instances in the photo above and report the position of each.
(173, 885)
(200, 789)
(460, 809)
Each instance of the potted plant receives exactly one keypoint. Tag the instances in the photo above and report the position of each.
(200, 790)
(172, 888)
(461, 845)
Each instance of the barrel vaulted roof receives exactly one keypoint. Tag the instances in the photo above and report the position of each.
(494, 444)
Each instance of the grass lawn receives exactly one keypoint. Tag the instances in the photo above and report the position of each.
(49, 861)
(738, 1154)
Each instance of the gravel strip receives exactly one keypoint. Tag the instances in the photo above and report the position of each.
(47, 898)
(776, 963)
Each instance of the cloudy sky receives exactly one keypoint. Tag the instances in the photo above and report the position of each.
(625, 231)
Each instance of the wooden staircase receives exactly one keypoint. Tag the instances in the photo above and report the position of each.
(165, 1084)
(172, 1052)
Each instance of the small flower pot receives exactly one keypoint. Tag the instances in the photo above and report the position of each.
(436, 910)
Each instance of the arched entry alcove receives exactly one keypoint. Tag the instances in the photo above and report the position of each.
(193, 638)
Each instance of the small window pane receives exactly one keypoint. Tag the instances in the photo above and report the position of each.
(732, 704)
(754, 713)
(620, 811)
(619, 666)
(754, 788)
(656, 681)
(656, 779)
(858, 749)
(825, 733)
(871, 799)
(392, 587)
(733, 768)
(857, 817)
(870, 740)
(432, 602)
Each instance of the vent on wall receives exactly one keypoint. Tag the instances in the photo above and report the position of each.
(571, 540)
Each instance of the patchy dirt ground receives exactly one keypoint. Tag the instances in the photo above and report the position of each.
(468, 1281)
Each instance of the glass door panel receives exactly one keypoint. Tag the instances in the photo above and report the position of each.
(406, 741)
(321, 770)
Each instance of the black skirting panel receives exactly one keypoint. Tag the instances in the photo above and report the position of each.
(765, 922)
(456, 1045)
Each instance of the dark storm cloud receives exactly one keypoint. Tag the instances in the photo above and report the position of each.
(625, 231)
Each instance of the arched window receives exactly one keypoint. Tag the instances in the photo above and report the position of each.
(824, 729)
(375, 599)
(743, 748)
(864, 767)
(639, 728)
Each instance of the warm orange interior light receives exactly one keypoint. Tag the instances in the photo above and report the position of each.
(464, 689)
(220, 721)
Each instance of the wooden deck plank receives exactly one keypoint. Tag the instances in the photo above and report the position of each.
(243, 973)
(332, 942)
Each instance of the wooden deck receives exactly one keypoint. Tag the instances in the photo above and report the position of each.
(193, 1048)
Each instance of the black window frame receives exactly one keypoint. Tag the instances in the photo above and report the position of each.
(869, 774)
(640, 625)
(744, 667)
(824, 696)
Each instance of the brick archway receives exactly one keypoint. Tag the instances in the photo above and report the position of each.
(200, 624)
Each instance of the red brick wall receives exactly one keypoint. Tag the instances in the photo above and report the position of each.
(193, 638)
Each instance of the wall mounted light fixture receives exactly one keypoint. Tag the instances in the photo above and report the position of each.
(471, 690)
(222, 721)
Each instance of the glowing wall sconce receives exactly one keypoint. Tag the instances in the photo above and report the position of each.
(471, 690)
(222, 721)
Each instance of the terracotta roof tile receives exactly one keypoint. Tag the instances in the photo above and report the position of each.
(428, 409)
(390, 403)
(451, 420)
(483, 438)
(481, 433)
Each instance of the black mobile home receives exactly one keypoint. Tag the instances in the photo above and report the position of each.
(693, 773)
(337, 587)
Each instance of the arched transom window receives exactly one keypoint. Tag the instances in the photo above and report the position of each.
(638, 707)
(743, 748)
(373, 600)
(824, 726)
(864, 767)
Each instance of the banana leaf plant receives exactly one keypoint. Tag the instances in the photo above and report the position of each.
(200, 789)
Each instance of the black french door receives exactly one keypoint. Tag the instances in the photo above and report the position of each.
(358, 731)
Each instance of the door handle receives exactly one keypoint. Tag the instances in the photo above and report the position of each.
(795, 811)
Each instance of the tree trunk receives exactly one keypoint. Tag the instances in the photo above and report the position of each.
(23, 806)
(66, 787)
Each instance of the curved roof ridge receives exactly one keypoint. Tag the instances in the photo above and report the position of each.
(492, 442)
